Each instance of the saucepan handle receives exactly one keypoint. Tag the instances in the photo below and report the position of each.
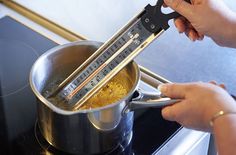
(143, 99)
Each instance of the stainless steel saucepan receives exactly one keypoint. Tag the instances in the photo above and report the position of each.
(86, 131)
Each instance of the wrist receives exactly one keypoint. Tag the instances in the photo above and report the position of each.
(220, 115)
(219, 110)
(224, 132)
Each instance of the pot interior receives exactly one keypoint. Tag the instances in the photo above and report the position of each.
(58, 63)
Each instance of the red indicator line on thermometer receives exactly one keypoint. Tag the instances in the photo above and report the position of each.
(86, 81)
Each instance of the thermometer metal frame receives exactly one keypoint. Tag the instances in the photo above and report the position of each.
(137, 34)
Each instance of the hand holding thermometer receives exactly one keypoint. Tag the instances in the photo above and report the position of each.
(113, 55)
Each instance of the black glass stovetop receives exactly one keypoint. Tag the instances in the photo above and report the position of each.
(20, 46)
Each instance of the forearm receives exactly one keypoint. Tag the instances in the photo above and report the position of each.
(232, 34)
(224, 131)
(229, 28)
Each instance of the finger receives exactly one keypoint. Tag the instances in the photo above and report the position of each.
(181, 6)
(213, 82)
(193, 35)
(187, 31)
(178, 112)
(201, 37)
(222, 86)
(173, 112)
(168, 114)
(173, 90)
(180, 24)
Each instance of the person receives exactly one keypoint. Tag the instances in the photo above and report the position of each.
(204, 106)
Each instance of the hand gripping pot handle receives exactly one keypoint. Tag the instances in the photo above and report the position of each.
(143, 99)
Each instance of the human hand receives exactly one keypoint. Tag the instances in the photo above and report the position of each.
(205, 17)
(200, 102)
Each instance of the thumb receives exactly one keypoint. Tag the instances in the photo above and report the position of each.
(173, 90)
(182, 7)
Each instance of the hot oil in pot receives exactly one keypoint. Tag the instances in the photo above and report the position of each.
(117, 88)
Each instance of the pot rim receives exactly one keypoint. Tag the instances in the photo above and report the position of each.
(68, 112)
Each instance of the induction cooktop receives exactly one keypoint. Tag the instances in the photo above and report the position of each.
(20, 46)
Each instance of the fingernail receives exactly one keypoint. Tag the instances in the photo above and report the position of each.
(162, 88)
(191, 38)
(165, 111)
(166, 114)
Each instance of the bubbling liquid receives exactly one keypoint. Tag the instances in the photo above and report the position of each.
(111, 93)
(116, 89)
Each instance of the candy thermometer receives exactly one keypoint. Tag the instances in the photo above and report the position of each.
(113, 55)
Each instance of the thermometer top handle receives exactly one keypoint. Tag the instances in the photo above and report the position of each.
(154, 19)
